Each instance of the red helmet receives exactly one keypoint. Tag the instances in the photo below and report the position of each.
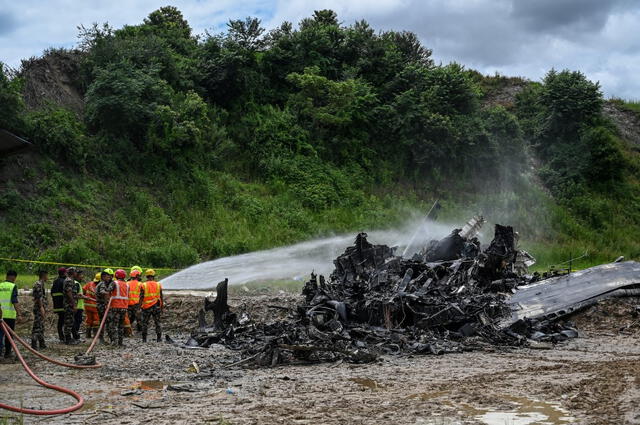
(120, 274)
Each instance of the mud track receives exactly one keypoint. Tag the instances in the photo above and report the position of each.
(590, 380)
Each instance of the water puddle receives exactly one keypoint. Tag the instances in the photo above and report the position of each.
(525, 411)
(517, 410)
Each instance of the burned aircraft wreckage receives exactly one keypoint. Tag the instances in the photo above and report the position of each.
(453, 296)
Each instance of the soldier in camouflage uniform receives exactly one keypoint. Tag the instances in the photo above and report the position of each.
(70, 296)
(115, 325)
(103, 293)
(39, 303)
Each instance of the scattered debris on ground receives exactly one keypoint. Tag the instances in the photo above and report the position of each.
(451, 297)
(448, 298)
(588, 380)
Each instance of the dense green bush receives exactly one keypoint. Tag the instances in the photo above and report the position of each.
(270, 131)
(194, 147)
(11, 111)
(59, 133)
(122, 101)
(606, 160)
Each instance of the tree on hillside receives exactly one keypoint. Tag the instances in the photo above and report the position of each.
(169, 19)
(246, 33)
(12, 109)
(569, 101)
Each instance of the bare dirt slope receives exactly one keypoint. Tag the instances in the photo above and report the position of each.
(591, 380)
(627, 123)
(54, 79)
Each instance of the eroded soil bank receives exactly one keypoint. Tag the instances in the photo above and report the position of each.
(593, 379)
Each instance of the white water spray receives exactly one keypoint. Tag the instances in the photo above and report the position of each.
(296, 262)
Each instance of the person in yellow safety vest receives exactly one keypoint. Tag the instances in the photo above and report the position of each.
(152, 304)
(119, 304)
(78, 280)
(92, 322)
(134, 298)
(9, 310)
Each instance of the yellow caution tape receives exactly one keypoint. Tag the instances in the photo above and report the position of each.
(94, 266)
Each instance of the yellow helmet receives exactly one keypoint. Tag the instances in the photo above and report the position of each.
(108, 271)
(150, 272)
(136, 268)
(97, 277)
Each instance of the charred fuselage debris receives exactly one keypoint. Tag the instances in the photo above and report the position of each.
(376, 302)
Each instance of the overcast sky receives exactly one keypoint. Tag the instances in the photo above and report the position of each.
(513, 37)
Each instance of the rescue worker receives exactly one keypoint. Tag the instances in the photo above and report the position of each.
(136, 269)
(39, 313)
(152, 304)
(58, 300)
(78, 315)
(134, 298)
(103, 291)
(70, 297)
(9, 309)
(92, 322)
(119, 306)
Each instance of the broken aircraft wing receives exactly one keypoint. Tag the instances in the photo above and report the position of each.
(562, 295)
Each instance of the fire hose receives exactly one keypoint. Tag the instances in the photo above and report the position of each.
(11, 335)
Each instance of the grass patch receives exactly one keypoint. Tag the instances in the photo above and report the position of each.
(11, 419)
(26, 280)
(629, 105)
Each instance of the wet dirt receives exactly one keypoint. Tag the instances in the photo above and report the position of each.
(590, 380)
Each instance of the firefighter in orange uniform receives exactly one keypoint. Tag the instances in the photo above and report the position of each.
(119, 306)
(92, 322)
(152, 304)
(134, 299)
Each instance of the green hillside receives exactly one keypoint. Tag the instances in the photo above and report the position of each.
(157, 146)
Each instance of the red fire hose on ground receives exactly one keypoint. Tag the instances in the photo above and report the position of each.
(11, 335)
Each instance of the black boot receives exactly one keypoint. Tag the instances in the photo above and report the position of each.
(88, 333)
(159, 338)
(144, 337)
(34, 344)
(71, 341)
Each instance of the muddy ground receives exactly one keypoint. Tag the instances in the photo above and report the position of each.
(590, 380)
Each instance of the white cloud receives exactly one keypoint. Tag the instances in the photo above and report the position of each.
(38, 25)
(513, 37)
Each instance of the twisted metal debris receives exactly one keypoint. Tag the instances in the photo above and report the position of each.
(449, 298)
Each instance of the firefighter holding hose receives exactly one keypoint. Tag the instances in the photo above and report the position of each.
(91, 306)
